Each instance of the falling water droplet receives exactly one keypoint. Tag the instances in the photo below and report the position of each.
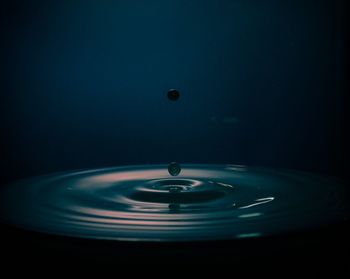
(173, 94)
(174, 169)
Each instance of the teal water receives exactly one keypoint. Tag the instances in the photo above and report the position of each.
(145, 203)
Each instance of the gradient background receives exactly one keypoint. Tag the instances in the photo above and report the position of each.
(84, 83)
(263, 83)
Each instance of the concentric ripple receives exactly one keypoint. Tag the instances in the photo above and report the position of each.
(205, 202)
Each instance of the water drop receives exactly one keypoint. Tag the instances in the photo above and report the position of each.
(173, 95)
(174, 169)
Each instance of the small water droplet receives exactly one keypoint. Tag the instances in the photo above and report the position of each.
(174, 169)
(173, 95)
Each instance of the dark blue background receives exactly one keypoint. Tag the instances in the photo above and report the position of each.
(84, 84)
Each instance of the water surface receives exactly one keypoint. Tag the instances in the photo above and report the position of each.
(204, 202)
